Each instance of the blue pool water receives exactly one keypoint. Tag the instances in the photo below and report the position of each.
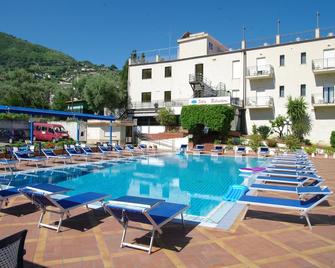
(199, 181)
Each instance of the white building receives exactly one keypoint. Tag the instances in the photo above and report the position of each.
(257, 80)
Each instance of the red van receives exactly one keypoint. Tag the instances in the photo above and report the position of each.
(49, 132)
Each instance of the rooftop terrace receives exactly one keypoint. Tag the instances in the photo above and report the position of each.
(268, 238)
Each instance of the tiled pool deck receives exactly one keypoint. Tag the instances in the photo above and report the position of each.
(266, 239)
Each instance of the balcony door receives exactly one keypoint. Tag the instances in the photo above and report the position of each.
(329, 58)
(261, 66)
(328, 94)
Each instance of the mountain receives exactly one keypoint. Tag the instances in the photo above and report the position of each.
(17, 53)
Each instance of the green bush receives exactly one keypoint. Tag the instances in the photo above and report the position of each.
(307, 142)
(310, 149)
(255, 141)
(292, 142)
(254, 129)
(217, 142)
(271, 143)
(332, 139)
(264, 131)
(166, 117)
(216, 117)
(329, 150)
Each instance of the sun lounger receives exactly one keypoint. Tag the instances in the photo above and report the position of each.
(10, 164)
(240, 150)
(263, 151)
(289, 180)
(6, 194)
(27, 156)
(303, 190)
(132, 150)
(50, 154)
(154, 212)
(74, 153)
(291, 174)
(302, 206)
(198, 149)
(217, 149)
(292, 165)
(60, 206)
(105, 149)
(308, 169)
(143, 148)
(88, 151)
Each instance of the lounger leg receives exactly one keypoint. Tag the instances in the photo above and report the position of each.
(123, 234)
(41, 219)
(308, 221)
(182, 221)
(151, 241)
(244, 215)
(60, 222)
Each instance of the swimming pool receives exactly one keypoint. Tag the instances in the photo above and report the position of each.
(199, 181)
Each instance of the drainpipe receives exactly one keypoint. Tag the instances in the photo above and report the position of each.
(31, 130)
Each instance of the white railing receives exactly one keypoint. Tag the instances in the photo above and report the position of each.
(323, 64)
(323, 98)
(155, 55)
(260, 70)
(156, 104)
(259, 101)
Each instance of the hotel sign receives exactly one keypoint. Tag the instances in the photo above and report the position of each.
(212, 100)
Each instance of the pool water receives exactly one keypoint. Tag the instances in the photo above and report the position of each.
(199, 181)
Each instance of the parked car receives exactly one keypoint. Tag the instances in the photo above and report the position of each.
(13, 135)
(49, 132)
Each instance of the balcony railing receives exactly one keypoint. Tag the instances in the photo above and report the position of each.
(323, 100)
(259, 102)
(323, 65)
(156, 104)
(260, 71)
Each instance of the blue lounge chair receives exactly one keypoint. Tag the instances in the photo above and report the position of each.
(218, 149)
(60, 206)
(154, 212)
(50, 154)
(291, 174)
(292, 165)
(134, 151)
(241, 150)
(119, 149)
(302, 206)
(291, 169)
(10, 192)
(289, 180)
(27, 156)
(88, 151)
(303, 190)
(182, 149)
(105, 149)
(198, 148)
(263, 151)
(10, 164)
(74, 153)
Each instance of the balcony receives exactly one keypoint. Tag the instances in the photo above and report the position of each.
(323, 66)
(260, 72)
(259, 103)
(319, 100)
(156, 104)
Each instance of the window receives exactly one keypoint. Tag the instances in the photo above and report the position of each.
(210, 46)
(146, 73)
(236, 69)
(146, 96)
(167, 96)
(281, 91)
(50, 130)
(303, 90)
(282, 60)
(168, 71)
(303, 58)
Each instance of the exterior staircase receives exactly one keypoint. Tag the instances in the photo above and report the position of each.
(201, 86)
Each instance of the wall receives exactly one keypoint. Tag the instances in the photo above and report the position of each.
(71, 127)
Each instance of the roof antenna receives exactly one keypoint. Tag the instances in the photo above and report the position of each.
(278, 32)
(317, 29)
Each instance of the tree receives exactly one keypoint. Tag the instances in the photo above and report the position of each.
(103, 91)
(297, 112)
(166, 117)
(124, 85)
(278, 125)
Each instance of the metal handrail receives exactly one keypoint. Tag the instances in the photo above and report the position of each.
(260, 70)
(156, 104)
(321, 99)
(259, 101)
(324, 63)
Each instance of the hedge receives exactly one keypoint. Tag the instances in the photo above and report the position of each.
(332, 139)
(215, 117)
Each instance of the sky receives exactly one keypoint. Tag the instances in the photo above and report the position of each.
(106, 31)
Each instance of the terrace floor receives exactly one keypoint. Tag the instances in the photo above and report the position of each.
(267, 238)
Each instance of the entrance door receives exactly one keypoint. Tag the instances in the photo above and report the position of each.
(329, 58)
(328, 94)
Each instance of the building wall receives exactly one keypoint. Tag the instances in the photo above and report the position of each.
(218, 68)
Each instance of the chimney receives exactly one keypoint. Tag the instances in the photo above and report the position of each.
(278, 33)
(243, 43)
(317, 29)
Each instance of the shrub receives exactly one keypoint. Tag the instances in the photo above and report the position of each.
(271, 143)
(217, 142)
(264, 131)
(230, 144)
(166, 117)
(307, 142)
(311, 149)
(292, 142)
(329, 150)
(254, 129)
(278, 125)
(255, 141)
(332, 139)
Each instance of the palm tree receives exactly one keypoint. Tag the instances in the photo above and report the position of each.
(297, 112)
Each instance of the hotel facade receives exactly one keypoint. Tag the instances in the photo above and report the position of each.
(256, 80)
